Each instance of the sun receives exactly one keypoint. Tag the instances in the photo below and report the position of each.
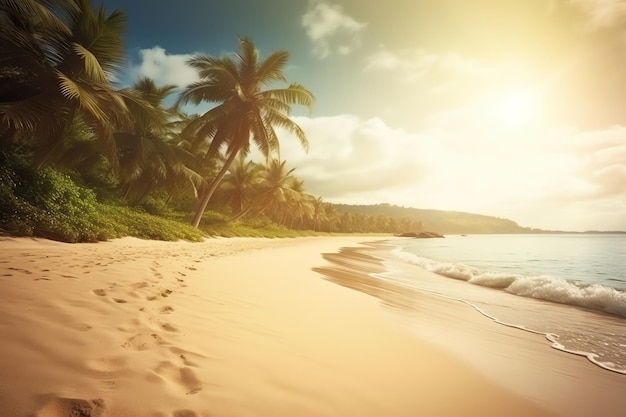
(513, 108)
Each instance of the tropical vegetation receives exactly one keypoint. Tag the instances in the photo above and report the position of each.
(82, 159)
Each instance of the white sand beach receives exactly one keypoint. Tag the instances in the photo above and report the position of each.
(236, 327)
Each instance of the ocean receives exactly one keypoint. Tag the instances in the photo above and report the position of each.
(569, 287)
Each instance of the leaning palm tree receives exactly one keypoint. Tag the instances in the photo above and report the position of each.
(245, 113)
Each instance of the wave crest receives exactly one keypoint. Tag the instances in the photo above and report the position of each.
(595, 297)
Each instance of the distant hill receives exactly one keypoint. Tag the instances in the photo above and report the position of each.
(445, 222)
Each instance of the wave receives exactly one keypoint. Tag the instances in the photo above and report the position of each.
(549, 288)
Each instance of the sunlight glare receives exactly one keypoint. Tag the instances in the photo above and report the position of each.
(513, 108)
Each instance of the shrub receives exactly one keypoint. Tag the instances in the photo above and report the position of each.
(46, 203)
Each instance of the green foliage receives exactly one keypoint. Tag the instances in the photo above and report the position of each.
(125, 221)
(156, 205)
(269, 230)
(211, 218)
(49, 204)
(45, 203)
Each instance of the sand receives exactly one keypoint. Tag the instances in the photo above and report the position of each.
(228, 327)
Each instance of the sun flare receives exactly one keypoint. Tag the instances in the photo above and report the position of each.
(514, 108)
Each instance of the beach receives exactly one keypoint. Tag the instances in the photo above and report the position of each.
(254, 327)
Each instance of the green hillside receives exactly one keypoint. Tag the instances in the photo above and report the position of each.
(445, 222)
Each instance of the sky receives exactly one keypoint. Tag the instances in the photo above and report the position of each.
(508, 108)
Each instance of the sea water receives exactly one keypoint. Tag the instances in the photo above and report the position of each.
(569, 287)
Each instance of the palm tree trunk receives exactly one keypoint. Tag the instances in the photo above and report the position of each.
(211, 189)
(252, 205)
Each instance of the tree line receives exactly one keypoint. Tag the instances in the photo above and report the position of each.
(60, 110)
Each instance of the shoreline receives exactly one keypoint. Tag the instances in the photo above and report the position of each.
(568, 383)
(238, 327)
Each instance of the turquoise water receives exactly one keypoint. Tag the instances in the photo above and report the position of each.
(570, 287)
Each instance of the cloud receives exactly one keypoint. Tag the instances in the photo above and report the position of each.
(603, 13)
(416, 63)
(351, 158)
(330, 29)
(603, 156)
(164, 68)
(552, 179)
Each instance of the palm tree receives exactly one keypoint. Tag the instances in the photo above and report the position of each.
(277, 186)
(299, 207)
(245, 113)
(57, 59)
(240, 182)
(273, 189)
(149, 153)
(319, 215)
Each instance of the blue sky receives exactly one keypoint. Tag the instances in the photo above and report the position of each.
(511, 108)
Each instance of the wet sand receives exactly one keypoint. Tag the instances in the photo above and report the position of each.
(522, 361)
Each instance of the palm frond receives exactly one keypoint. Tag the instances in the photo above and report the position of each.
(29, 113)
(279, 119)
(92, 68)
(264, 136)
(147, 117)
(38, 12)
(271, 69)
(294, 94)
(203, 91)
(213, 68)
(247, 58)
(100, 34)
(68, 87)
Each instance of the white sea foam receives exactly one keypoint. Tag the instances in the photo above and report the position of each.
(595, 296)
(602, 346)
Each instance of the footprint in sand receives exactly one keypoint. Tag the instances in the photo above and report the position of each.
(166, 310)
(83, 327)
(185, 355)
(25, 271)
(119, 300)
(184, 378)
(168, 327)
(100, 292)
(184, 413)
(69, 276)
(107, 370)
(73, 407)
(143, 341)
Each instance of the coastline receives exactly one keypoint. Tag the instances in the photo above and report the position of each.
(238, 327)
(567, 383)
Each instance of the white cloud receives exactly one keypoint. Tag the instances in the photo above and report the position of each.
(164, 68)
(552, 179)
(330, 29)
(415, 63)
(603, 13)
